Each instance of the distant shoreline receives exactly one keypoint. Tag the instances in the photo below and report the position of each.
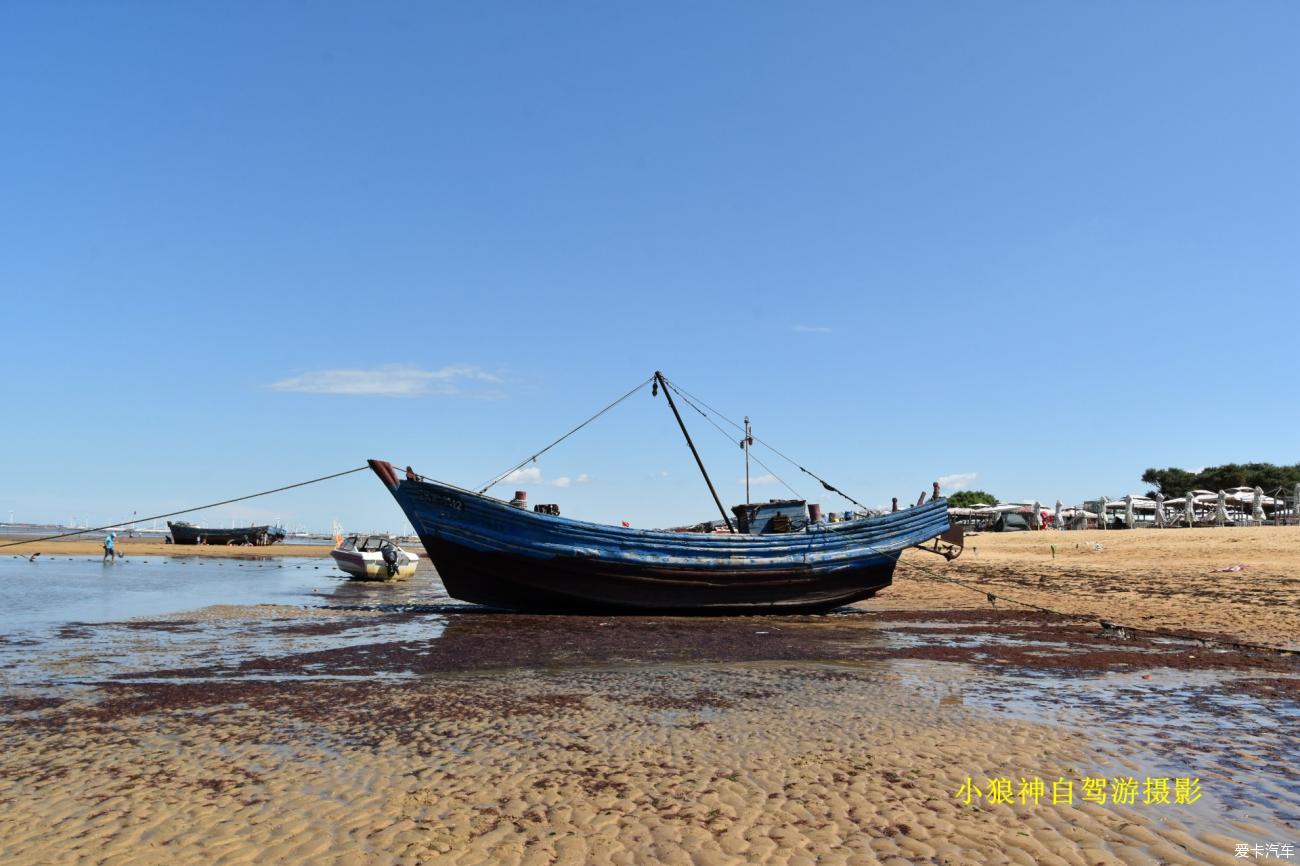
(156, 547)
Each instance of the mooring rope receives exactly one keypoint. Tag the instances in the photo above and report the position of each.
(521, 464)
(134, 521)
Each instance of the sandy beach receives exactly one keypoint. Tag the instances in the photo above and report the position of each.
(1148, 578)
(389, 724)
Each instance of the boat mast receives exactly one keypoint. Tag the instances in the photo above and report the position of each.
(745, 443)
(659, 378)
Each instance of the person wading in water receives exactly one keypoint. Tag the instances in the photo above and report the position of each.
(110, 552)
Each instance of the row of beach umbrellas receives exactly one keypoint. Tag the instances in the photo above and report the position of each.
(1256, 499)
(1167, 511)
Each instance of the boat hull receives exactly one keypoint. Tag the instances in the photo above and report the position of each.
(583, 585)
(360, 567)
(255, 535)
(488, 552)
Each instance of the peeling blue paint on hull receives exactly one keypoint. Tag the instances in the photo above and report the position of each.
(570, 585)
(489, 552)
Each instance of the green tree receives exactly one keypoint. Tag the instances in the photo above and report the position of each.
(1170, 482)
(971, 498)
(1176, 482)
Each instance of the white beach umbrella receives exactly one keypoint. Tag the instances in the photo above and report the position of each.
(1189, 508)
(1257, 507)
(1129, 518)
(1056, 518)
(1160, 511)
(1221, 509)
(1101, 513)
(1037, 522)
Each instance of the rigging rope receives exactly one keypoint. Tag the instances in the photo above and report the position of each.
(134, 521)
(498, 479)
(727, 436)
(826, 484)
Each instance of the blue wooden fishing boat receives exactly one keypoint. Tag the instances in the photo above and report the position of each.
(776, 557)
(490, 552)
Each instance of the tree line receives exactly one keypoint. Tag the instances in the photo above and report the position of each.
(1173, 481)
(1176, 482)
(971, 498)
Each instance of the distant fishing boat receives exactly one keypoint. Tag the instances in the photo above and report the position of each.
(258, 536)
(777, 556)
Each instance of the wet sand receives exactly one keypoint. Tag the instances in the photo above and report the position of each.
(389, 724)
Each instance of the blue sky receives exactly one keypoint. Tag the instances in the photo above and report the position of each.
(1044, 245)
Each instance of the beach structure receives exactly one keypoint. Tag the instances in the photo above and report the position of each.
(1077, 517)
(1237, 506)
(1007, 517)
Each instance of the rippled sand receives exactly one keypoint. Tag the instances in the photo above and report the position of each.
(743, 764)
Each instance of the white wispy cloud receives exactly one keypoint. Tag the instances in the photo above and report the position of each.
(389, 380)
(530, 475)
(811, 329)
(533, 475)
(759, 480)
(956, 481)
(566, 481)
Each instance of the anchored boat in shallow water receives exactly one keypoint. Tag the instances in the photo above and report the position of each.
(774, 557)
(490, 552)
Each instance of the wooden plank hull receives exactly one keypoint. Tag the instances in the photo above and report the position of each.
(489, 552)
(575, 584)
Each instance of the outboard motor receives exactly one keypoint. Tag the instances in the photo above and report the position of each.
(389, 552)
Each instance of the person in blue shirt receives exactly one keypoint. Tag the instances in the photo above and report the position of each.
(109, 551)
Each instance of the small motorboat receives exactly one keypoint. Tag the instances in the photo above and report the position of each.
(374, 557)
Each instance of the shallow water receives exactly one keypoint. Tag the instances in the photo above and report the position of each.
(54, 590)
(72, 620)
